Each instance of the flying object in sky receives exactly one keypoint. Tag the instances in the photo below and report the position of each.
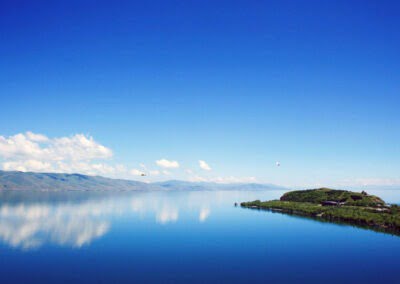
(278, 164)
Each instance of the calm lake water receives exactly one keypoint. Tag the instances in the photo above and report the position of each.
(182, 237)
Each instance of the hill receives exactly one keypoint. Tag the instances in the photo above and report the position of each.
(14, 180)
(326, 194)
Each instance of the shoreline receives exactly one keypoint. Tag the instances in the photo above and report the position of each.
(335, 206)
(381, 228)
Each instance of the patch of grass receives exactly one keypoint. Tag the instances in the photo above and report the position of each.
(326, 194)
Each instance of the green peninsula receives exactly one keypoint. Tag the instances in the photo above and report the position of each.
(340, 206)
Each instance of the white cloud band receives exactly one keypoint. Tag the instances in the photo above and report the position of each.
(164, 163)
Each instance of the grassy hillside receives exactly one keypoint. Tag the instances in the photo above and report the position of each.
(326, 194)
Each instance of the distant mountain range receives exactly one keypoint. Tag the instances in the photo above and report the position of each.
(54, 181)
(13, 180)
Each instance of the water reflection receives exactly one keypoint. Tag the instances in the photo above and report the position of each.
(75, 219)
(164, 209)
(167, 215)
(31, 220)
(204, 213)
(32, 225)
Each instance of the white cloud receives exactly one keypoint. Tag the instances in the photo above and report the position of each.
(79, 147)
(64, 167)
(203, 165)
(164, 163)
(232, 179)
(222, 180)
(136, 172)
(120, 168)
(38, 147)
(197, 178)
(38, 153)
(80, 153)
(20, 147)
(370, 182)
(36, 137)
(89, 168)
(28, 165)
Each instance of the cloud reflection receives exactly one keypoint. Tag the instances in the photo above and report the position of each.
(164, 211)
(204, 213)
(167, 215)
(30, 226)
(77, 219)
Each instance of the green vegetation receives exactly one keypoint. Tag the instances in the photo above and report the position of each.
(342, 206)
(326, 194)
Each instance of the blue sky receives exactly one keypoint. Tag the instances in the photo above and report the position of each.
(237, 84)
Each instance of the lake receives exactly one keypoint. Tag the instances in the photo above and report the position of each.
(182, 237)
